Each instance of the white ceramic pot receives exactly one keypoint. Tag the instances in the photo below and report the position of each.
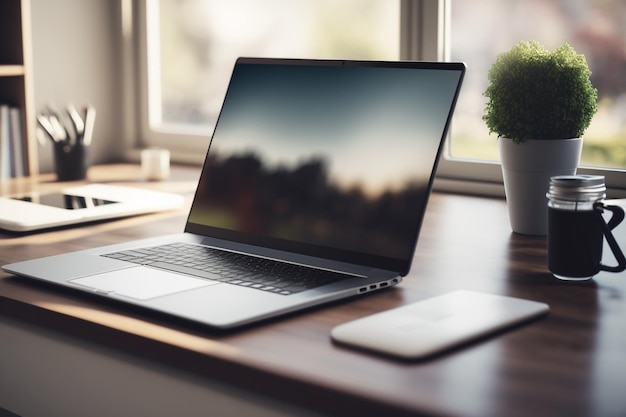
(526, 170)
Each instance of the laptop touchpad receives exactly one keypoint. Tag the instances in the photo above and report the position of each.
(141, 283)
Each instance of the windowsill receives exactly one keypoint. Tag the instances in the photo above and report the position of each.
(486, 189)
(176, 156)
(442, 183)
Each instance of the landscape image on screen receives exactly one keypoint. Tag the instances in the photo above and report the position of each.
(332, 156)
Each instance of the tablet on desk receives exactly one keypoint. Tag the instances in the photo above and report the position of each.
(431, 326)
(80, 204)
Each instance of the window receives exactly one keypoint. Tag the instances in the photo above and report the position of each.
(192, 44)
(189, 47)
(596, 28)
(480, 30)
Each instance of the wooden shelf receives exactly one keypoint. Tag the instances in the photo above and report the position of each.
(16, 85)
(11, 70)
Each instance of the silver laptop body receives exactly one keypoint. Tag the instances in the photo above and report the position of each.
(322, 166)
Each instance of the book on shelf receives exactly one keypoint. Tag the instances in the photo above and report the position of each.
(5, 143)
(12, 143)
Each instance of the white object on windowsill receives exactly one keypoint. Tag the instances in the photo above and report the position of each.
(155, 164)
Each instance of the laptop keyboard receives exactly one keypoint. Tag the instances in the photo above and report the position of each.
(231, 267)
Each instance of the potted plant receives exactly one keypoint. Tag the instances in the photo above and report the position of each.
(540, 103)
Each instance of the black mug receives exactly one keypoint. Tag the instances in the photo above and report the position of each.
(577, 228)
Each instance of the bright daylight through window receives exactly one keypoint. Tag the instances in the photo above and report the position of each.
(481, 29)
(193, 45)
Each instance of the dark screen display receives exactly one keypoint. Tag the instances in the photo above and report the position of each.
(332, 156)
(66, 201)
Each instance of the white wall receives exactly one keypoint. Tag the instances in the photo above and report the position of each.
(76, 58)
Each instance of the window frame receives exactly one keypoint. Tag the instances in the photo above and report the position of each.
(429, 25)
(428, 38)
(185, 144)
(424, 35)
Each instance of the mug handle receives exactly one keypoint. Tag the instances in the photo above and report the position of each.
(616, 218)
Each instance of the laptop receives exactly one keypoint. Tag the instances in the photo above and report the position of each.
(313, 189)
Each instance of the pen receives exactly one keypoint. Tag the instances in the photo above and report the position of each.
(90, 119)
(48, 127)
(58, 128)
(41, 136)
(79, 124)
(72, 130)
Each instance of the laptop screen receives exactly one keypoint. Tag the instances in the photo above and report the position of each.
(327, 158)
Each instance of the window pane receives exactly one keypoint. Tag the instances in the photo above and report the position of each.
(481, 29)
(200, 39)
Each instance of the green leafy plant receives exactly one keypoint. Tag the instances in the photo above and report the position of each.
(534, 93)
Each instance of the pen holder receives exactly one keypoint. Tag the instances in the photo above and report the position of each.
(70, 161)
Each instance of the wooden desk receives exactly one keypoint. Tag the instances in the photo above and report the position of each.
(571, 363)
